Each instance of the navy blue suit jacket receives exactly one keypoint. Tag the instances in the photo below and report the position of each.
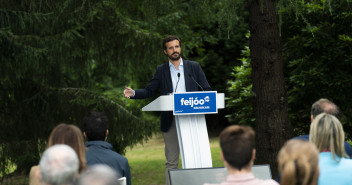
(348, 148)
(162, 80)
(101, 152)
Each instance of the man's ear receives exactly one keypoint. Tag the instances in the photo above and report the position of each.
(253, 154)
(165, 52)
(107, 133)
(222, 156)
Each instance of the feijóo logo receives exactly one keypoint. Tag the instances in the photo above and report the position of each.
(191, 102)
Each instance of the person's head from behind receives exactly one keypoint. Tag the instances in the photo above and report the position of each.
(95, 126)
(99, 175)
(323, 105)
(298, 163)
(72, 136)
(59, 165)
(327, 134)
(237, 144)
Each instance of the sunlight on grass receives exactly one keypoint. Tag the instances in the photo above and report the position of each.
(147, 161)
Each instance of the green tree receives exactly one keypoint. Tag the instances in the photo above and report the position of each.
(316, 54)
(317, 51)
(269, 94)
(63, 58)
(239, 99)
(58, 62)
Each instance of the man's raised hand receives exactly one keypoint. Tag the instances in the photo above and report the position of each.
(128, 92)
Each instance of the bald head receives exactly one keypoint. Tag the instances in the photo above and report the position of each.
(324, 105)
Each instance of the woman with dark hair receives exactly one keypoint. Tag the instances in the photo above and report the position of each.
(67, 134)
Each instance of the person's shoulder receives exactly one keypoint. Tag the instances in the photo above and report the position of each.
(347, 144)
(34, 175)
(118, 156)
(97, 143)
(271, 182)
(302, 137)
(192, 65)
(34, 170)
(347, 162)
(162, 67)
(268, 182)
(190, 62)
(122, 160)
(165, 64)
(122, 157)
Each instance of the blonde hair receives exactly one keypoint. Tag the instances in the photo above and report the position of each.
(72, 136)
(326, 133)
(298, 163)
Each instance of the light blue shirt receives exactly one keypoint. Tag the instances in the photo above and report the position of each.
(181, 85)
(332, 172)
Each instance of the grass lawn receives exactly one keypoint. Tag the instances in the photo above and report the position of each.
(147, 161)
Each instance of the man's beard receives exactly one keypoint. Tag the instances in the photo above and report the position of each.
(171, 57)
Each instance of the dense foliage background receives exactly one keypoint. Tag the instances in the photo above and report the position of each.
(60, 59)
(317, 48)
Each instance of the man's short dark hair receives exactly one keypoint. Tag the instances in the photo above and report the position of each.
(95, 125)
(170, 38)
(237, 144)
(324, 105)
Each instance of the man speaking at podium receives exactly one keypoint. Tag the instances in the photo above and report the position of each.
(176, 75)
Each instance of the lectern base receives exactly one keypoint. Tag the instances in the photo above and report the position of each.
(194, 141)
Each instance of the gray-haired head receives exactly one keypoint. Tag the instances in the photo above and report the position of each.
(59, 165)
(99, 175)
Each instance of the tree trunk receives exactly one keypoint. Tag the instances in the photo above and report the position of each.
(270, 100)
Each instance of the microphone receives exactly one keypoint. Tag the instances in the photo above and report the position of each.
(178, 79)
(195, 81)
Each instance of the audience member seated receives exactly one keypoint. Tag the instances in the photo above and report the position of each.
(63, 134)
(321, 106)
(327, 134)
(298, 163)
(59, 165)
(238, 154)
(99, 151)
(99, 175)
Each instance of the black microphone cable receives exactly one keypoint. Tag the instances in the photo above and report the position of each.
(195, 81)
